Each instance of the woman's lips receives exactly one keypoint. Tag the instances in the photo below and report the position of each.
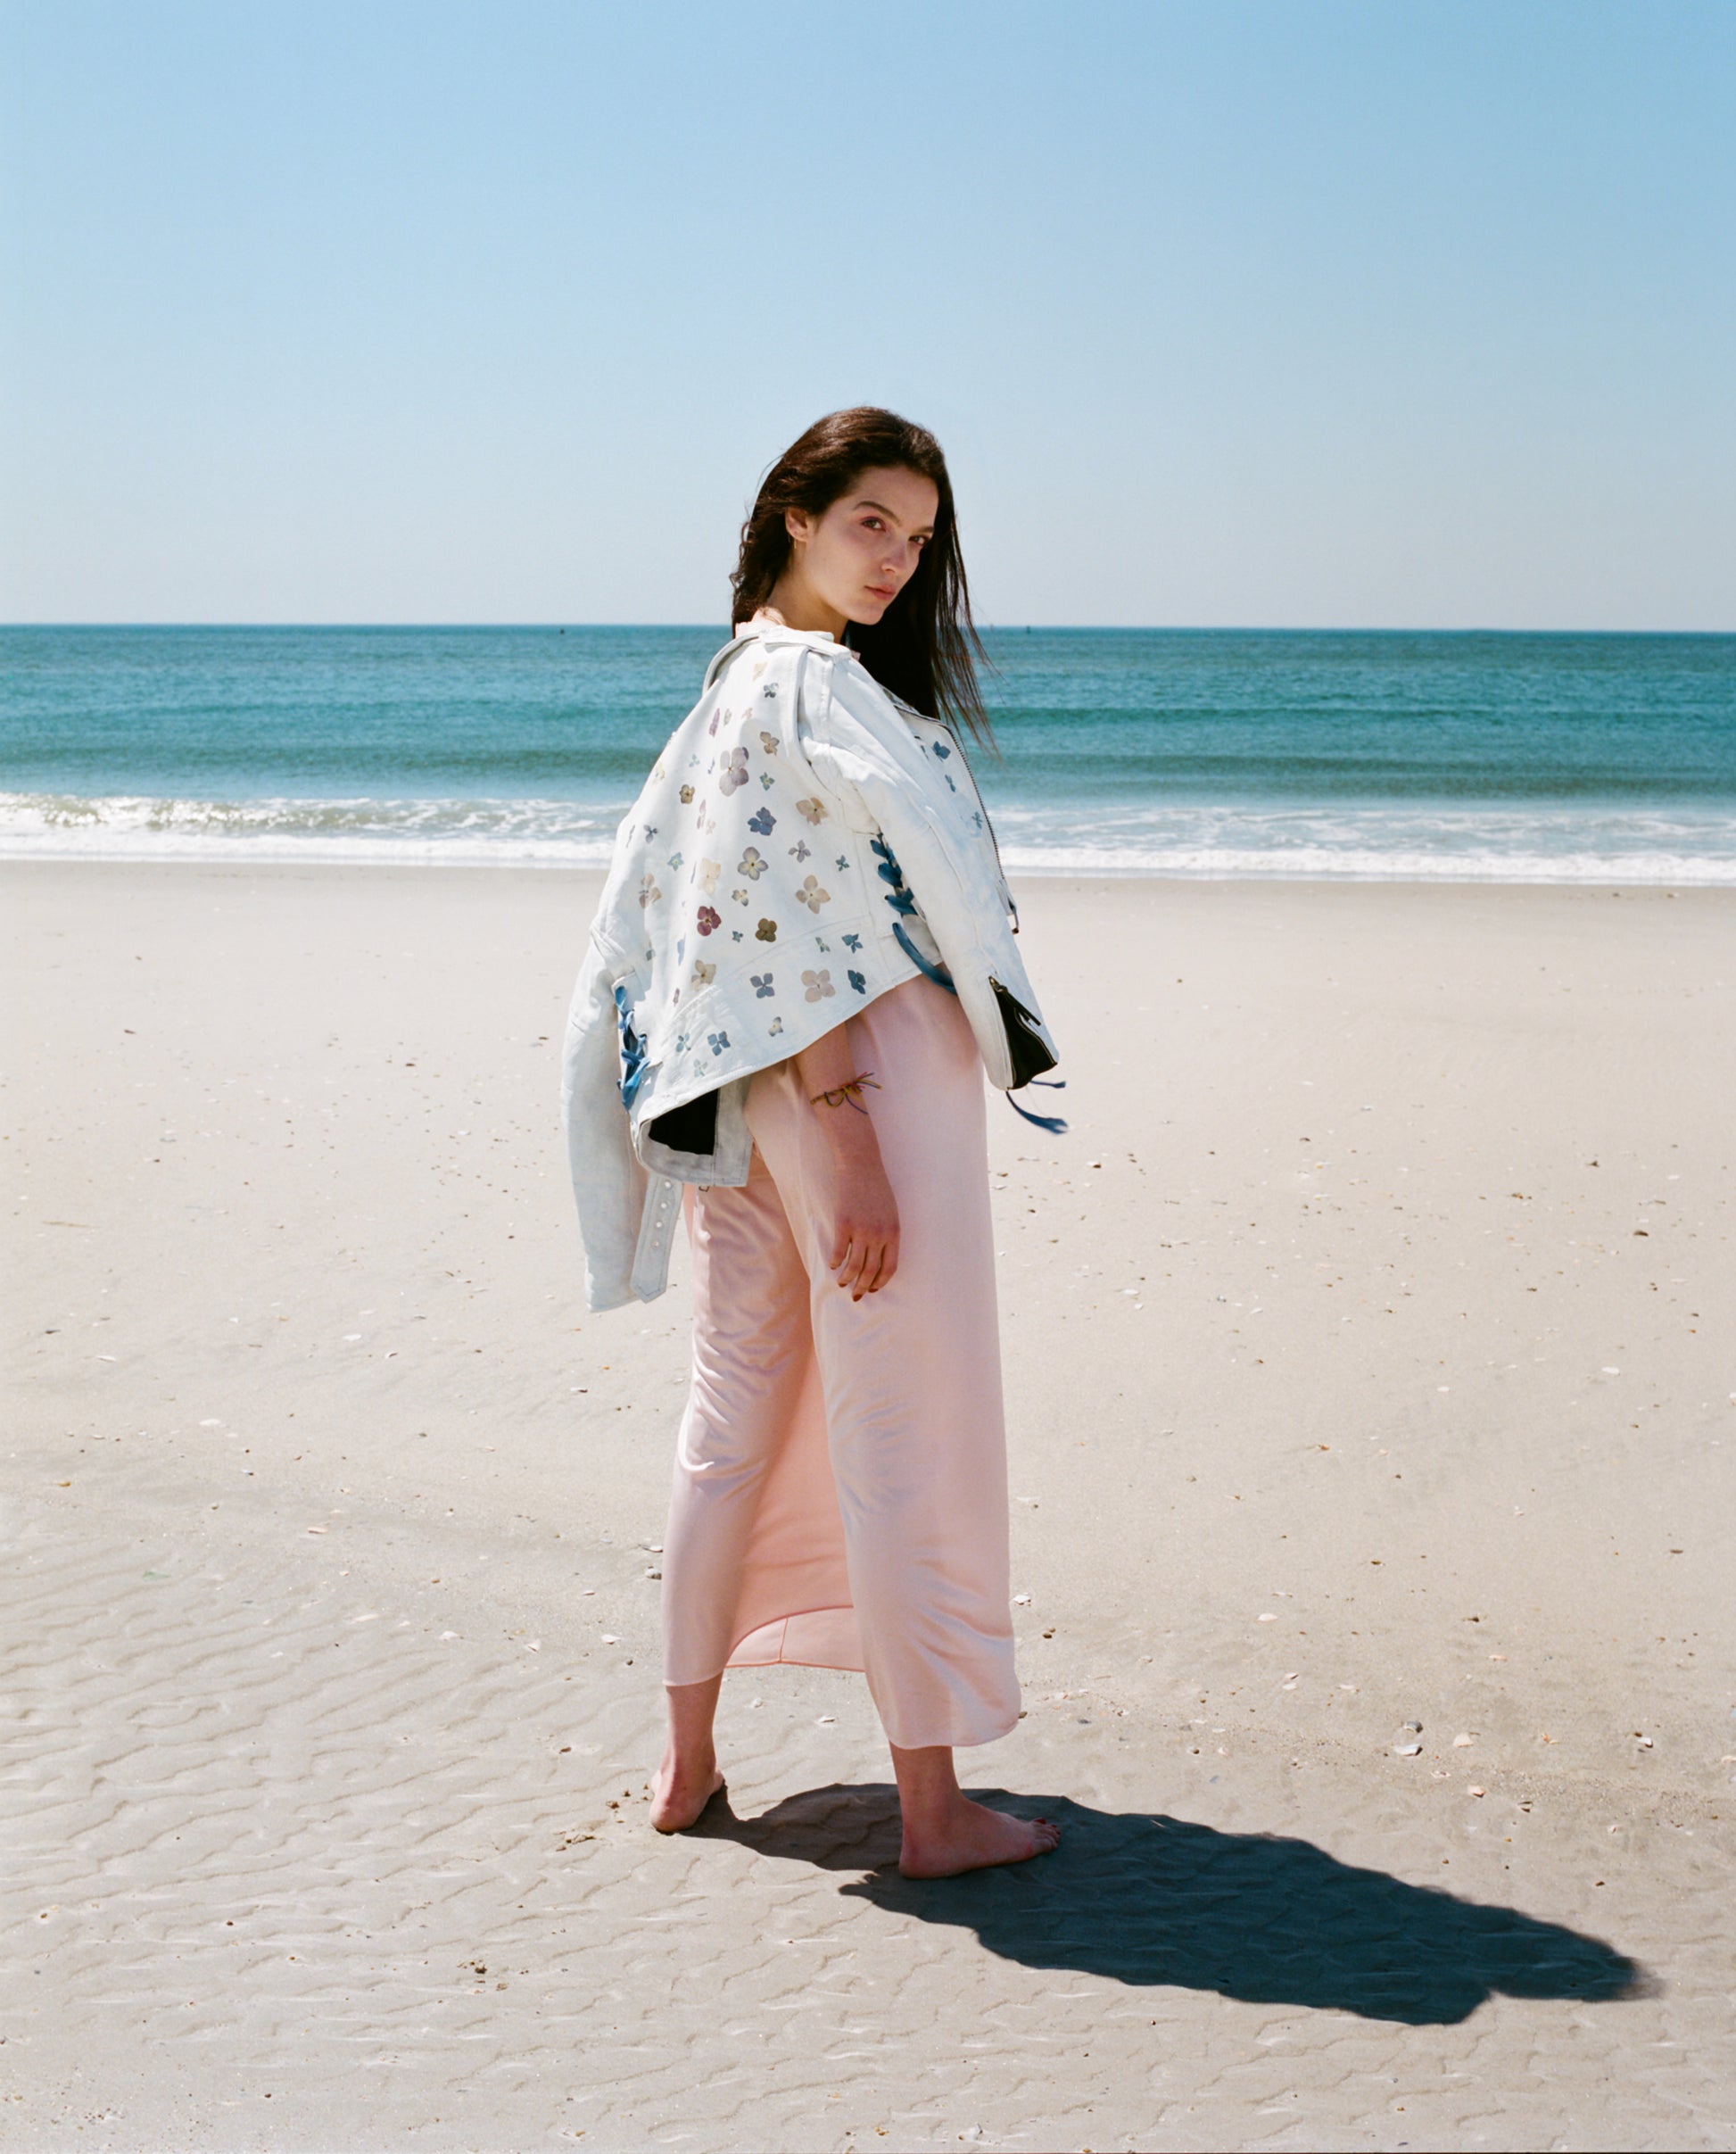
(882, 591)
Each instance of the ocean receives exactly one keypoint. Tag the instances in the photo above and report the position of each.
(1363, 755)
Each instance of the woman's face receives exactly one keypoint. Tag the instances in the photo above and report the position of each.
(858, 556)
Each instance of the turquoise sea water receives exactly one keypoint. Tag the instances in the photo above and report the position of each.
(1384, 755)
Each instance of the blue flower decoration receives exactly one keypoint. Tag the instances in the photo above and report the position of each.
(853, 942)
(762, 822)
(858, 982)
(762, 983)
(718, 1041)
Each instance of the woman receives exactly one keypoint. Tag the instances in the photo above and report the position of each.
(801, 966)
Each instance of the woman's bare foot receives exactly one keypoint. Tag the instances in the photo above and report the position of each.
(969, 1836)
(682, 1790)
(945, 1832)
(688, 1778)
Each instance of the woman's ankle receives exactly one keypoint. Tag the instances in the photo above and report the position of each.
(693, 1714)
(929, 1793)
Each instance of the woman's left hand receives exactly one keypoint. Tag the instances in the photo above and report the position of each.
(864, 1245)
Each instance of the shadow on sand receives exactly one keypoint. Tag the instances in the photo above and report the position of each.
(1156, 1901)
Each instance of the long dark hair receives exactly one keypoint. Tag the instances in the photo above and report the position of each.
(924, 647)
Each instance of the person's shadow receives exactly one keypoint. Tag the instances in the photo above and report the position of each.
(1157, 1901)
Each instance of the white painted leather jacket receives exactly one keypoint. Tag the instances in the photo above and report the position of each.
(803, 844)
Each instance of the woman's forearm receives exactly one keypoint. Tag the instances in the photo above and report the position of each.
(864, 1248)
(827, 1066)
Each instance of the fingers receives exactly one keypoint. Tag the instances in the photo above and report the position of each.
(868, 1264)
(885, 1263)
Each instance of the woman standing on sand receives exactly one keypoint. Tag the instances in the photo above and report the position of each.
(801, 966)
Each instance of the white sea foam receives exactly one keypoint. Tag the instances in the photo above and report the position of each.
(1321, 864)
(1394, 842)
(1555, 842)
(552, 833)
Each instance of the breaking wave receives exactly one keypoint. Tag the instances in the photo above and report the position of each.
(1390, 843)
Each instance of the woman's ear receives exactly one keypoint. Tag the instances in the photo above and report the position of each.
(799, 525)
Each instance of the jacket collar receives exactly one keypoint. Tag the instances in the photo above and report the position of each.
(772, 635)
(760, 629)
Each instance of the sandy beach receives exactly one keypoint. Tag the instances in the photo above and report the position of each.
(1372, 1387)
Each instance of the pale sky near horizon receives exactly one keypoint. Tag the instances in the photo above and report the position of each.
(1351, 313)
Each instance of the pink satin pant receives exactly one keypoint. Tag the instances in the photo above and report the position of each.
(841, 1480)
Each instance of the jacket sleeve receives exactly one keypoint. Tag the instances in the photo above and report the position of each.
(859, 745)
(608, 1183)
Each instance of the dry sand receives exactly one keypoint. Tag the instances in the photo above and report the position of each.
(1370, 1358)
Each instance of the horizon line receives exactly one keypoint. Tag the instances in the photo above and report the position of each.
(983, 628)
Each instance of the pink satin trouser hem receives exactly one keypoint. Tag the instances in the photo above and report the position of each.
(841, 1479)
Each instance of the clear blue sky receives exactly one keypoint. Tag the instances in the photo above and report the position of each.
(1240, 311)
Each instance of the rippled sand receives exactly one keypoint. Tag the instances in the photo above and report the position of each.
(1369, 1364)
